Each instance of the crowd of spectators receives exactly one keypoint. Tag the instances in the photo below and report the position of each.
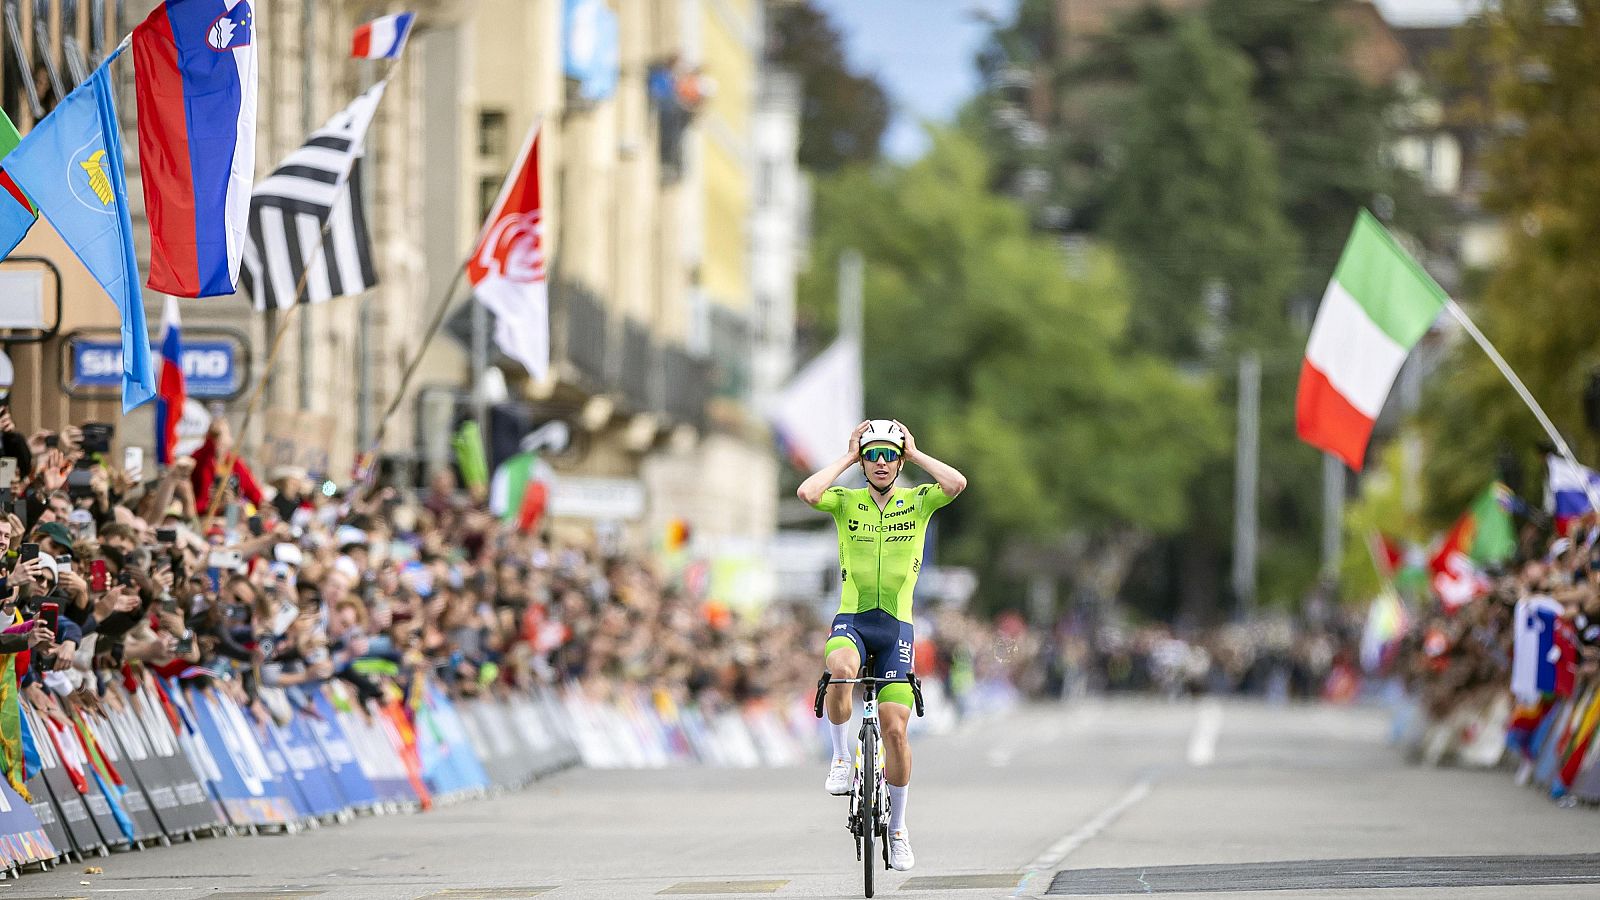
(1466, 665)
(207, 570)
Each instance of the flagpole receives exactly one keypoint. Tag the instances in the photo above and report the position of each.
(449, 296)
(231, 459)
(416, 358)
(1523, 392)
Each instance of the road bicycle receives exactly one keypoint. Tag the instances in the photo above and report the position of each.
(868, 820)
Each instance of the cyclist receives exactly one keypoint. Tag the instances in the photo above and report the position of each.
(881, 528)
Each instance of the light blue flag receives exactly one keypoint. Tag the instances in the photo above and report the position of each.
(71, 165)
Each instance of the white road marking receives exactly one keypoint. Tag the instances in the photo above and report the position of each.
(1207, 728)
(1055, 853)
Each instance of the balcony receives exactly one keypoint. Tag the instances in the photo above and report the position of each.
(584, 332)
(638, 368)
(732, 346)
(687, 383)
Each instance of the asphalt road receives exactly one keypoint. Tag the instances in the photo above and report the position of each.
(1102, 799)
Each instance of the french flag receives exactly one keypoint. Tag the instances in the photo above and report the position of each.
(170, 391)
(1567, 491)
(382, 38)
(195, 74)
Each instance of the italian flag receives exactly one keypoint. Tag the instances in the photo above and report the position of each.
(1378, 305)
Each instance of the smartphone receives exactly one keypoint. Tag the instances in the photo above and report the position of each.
(133, 463)
(256, 526)
(285, 616)
(225, 559)
(19, 508)
(50, 612)
(64, 562)
(166, 535)
(27, 551)
(99, 581)
(8, 471)
(170, 604)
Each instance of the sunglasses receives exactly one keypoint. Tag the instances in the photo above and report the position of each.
(886, 454)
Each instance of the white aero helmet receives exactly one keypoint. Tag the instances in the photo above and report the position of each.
(883, 431)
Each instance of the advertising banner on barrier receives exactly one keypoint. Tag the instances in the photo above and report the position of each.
(82, 778)
(245, 785)
(337, 751)
(368, 739)
(76, 820)
(448, 762)
(306, 769)
(193, 809)
(119, 778)
(22, 837)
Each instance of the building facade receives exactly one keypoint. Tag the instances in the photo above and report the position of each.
(672, 208)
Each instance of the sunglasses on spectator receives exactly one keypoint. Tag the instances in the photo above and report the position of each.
(886, 454)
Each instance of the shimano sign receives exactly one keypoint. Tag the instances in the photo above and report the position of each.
(209, 367)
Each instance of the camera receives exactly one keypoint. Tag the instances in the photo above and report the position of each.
(97, 437)
(79, 484)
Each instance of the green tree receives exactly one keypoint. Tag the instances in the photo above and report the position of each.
(843, 113)
(1529, 71)
(1195, 207)
(1010, 359)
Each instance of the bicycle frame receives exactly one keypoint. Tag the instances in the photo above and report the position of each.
(869, 810)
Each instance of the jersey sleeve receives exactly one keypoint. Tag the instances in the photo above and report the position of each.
(831, 500)
(931, 497)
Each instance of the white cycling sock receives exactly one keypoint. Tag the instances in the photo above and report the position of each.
(841, 740)
(897, 807)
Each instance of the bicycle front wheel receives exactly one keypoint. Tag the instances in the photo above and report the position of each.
(869, 803)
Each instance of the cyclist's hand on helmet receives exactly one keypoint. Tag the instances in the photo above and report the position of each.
(911, 442)
(855, 439)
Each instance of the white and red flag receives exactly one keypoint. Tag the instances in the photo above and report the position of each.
(508, 269)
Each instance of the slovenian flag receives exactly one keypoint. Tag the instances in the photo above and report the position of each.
(1567, 491)
(171, 393)
(1377, 307)
(382, 38)
(195, 74)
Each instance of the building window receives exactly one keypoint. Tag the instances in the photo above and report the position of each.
(488, 192)
(492, 134)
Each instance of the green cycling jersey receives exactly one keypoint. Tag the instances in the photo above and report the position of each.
(880, 548)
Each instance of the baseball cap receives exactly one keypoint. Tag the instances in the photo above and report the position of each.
(57, 532)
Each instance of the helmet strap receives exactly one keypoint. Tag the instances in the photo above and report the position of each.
(884, 490)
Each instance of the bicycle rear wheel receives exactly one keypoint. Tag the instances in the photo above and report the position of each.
(869, 803)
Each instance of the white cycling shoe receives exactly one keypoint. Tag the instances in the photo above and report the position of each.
(838, 783)
(900, 856)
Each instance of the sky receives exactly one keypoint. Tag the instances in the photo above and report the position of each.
(923, 50)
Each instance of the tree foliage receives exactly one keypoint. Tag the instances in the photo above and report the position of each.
(1008, 358)
(843, 113)
(1531, 73)
(1194, 208)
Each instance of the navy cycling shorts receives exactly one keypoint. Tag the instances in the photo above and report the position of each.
(884, 640)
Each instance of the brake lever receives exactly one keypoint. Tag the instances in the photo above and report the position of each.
(822, 690)
(916, 692)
